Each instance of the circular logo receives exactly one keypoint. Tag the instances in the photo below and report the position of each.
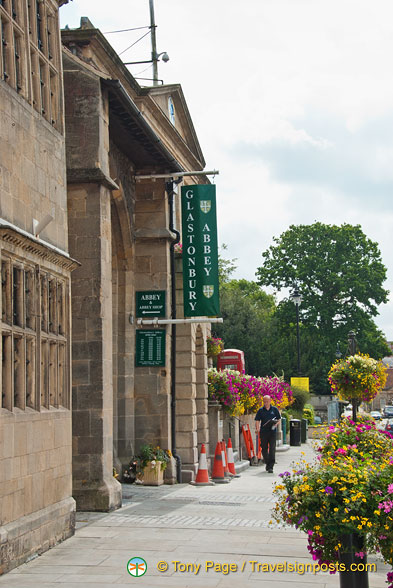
(136, 566)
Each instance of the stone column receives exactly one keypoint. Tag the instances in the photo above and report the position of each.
(201, 388)
(94, 487)
(152, 272)
(186, 387)
(186, 414)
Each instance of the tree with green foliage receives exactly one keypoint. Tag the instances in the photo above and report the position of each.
(340, 274)
(246, 310)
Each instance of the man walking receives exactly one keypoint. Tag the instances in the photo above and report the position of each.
(266, 421)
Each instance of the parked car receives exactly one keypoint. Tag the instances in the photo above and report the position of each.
(317, 420)
(388, 412)
(376, 415)
(389, 426)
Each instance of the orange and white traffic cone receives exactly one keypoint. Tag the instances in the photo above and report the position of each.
(227, 473)
(231, 462)
(202, 478)
(218, 474)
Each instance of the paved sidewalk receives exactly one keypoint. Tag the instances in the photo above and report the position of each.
(221, 524)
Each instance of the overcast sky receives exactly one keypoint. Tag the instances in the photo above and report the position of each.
(292, 101)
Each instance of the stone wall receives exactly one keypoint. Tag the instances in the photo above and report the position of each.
(32, 169)
(37, 510)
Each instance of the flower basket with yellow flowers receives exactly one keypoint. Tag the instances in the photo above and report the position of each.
(357, 377)
(346, 493)
(214, 346)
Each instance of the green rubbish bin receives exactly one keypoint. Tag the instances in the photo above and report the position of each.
(294, 432)
(304, 430)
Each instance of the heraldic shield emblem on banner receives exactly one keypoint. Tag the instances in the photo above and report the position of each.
(208, 291)
(206, 206)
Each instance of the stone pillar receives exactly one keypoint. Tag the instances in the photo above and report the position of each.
(201, 388)
(186, 416)
(186, 387)
(152, 272)
(94, 487)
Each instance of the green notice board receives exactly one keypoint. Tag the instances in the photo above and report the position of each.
(150, 348)
(150, 303)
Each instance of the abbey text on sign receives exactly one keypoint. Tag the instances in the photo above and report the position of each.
(200, 251)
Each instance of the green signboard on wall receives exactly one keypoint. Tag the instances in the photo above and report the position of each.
(150, 348)
(150, 303)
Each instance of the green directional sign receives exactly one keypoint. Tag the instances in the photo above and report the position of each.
(150, 348)
(150, 303)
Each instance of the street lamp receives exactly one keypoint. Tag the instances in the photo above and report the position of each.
(352, 351)
(296, 298)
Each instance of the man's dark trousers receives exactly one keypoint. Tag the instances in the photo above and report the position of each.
(268, 447)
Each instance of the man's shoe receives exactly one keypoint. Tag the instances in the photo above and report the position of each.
(270, 471)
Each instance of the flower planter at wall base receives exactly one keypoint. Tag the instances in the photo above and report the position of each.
(352, 543)
(153, 475)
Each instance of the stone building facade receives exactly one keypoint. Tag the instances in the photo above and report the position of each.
(69, 190)
(36, 506)
(119, 232)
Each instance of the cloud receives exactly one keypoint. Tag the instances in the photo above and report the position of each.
(324, 154)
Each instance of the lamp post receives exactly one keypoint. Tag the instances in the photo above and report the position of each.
(296, 298)
(352, 351)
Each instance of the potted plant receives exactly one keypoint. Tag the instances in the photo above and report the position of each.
(152, 463)
(344, 499)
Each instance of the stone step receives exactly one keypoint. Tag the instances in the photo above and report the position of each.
(240, 466)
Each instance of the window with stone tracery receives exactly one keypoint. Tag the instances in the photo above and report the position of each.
(34, 337)
(30, 54)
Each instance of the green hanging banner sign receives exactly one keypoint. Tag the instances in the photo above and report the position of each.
(200, 251)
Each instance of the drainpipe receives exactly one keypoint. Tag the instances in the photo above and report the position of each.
(169, 186)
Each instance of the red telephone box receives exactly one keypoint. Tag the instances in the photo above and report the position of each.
(231, 359)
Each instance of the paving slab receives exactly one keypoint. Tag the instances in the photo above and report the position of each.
(190, 537)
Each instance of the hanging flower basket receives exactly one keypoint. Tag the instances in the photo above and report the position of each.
(178, 248)
(358, 377)
(343, 500)
(214, 346)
